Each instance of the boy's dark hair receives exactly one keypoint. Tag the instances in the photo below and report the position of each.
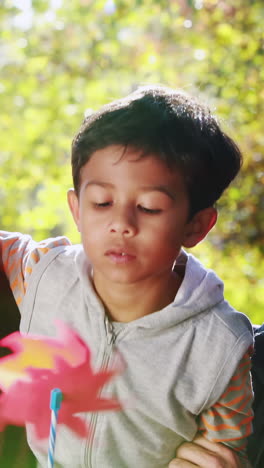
(174, 127)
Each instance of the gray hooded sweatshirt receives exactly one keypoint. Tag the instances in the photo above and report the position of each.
(179, 361)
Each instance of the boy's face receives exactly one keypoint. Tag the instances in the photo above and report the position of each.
(132, 215)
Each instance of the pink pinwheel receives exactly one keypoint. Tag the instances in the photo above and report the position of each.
(37, 351)
(26, 398)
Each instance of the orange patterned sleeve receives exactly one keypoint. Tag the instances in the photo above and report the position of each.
(229, 420)
(19, 254)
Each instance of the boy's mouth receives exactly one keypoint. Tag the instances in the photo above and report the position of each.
(119, 256)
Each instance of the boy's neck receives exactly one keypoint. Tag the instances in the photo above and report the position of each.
(125, 303)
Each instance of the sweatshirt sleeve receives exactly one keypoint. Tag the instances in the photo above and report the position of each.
(229, 420)
(19, 254)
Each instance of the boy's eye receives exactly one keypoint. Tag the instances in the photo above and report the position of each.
(102, 205)
(149, 210)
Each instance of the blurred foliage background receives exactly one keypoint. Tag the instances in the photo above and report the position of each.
(60, 59)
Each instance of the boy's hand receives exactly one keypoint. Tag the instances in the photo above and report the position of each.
(205, 454)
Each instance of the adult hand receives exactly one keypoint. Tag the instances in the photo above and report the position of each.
(205, 454)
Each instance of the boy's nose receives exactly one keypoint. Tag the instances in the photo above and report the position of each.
(124, 223)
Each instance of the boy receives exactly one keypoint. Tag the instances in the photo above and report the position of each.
(147, 171)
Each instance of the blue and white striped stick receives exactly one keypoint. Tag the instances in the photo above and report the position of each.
(55, 404)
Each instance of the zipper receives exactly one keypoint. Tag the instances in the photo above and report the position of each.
(110, 341)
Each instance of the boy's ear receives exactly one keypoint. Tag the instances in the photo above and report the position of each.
(199, 226)
(74, 206)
